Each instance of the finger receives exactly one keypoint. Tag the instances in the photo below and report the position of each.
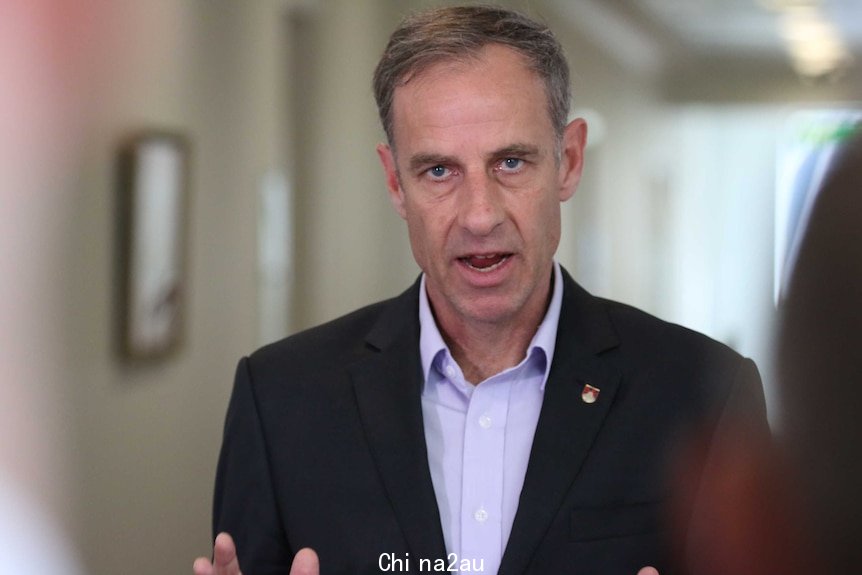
(225, 561)
(202, 566)
(648, 571)
(305, 563)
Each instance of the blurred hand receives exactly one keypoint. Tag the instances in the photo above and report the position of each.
(225, 561)
(644, 571)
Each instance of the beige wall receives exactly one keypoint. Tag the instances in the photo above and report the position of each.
(147, 435)
(351, 247)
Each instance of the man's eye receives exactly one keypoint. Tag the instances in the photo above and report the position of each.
(511, 164)
(438, 172)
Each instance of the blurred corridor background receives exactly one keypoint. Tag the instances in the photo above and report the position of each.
(688, 103)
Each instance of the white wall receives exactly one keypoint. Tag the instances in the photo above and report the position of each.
(719, 225)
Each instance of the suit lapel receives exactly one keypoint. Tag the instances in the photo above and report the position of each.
(567, 424)
(388, 385)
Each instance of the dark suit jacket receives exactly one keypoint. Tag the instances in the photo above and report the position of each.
(324, 444)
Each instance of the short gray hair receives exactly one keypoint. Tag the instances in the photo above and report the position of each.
(459, 33)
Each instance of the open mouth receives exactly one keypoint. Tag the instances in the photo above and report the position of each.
(485, 263)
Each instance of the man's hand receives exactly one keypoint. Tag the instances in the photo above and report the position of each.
(305, 562)
(644, 571)
(225, 561)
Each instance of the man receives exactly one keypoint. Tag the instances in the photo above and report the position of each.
(495, 417)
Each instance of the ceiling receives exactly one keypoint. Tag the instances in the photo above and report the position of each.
(649, 34)
(742, 26)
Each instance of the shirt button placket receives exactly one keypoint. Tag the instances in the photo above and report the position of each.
(482, 475)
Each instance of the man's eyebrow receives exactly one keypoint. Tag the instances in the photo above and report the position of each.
(515, 150)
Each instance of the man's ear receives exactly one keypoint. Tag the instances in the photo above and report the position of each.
(572, 157)
(396, 194)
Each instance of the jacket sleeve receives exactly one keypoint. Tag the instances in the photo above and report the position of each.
(244, 502)
(724, 469)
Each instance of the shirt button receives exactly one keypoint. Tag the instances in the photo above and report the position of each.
(485, 421)
(480, 515)
(450, 371)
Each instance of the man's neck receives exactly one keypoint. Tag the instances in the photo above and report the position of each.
(484, 349)
(482, 353)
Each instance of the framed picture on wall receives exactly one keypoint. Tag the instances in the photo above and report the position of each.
(153, 200)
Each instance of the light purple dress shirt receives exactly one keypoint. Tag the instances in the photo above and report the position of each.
(479, 437)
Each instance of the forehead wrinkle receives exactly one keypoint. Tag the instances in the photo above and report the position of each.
(441, 124)
(427, 79)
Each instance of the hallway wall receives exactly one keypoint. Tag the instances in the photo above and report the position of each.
(146, 434)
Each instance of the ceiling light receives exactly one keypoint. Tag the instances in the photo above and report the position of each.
(813, 42)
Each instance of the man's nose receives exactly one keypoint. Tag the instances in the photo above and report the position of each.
(480, 205)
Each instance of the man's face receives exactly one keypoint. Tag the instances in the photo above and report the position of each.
(475, 174)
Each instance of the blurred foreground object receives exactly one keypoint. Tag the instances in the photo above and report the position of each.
(821, 363)
(47, 60)
(793, 507)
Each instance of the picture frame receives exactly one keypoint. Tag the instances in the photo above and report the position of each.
(152, 231)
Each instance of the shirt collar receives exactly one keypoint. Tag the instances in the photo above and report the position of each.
(431, 342)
